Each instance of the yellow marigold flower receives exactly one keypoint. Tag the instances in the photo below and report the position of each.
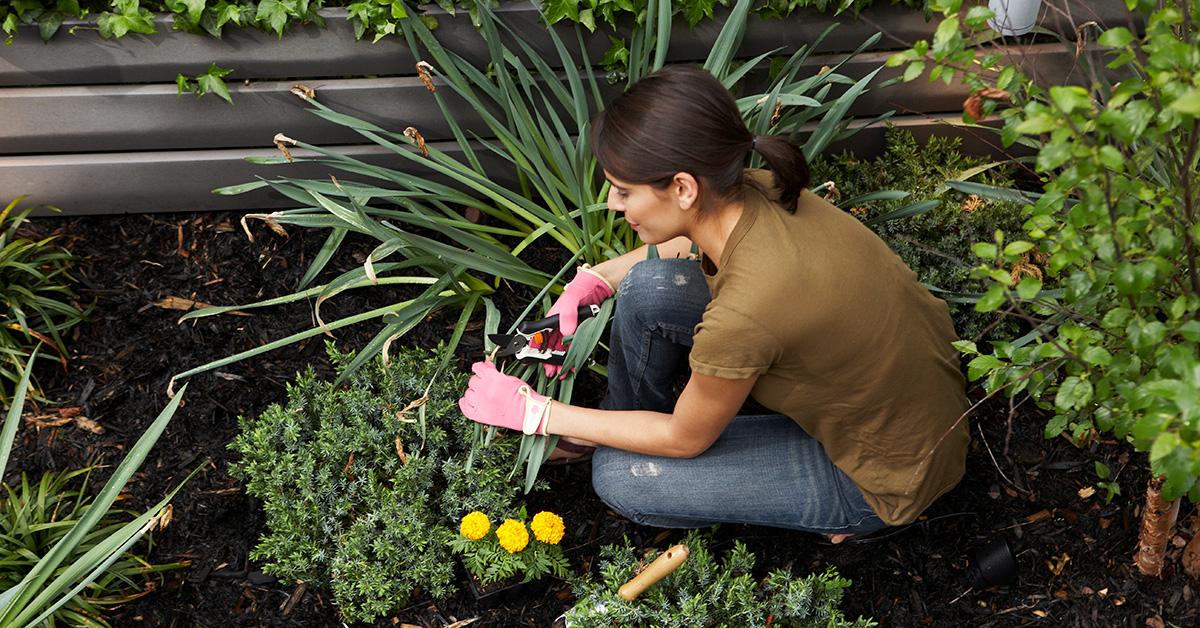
(513, 535)
(547, 527)
(475, 525)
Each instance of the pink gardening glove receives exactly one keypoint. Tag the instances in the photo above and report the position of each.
(493, 398)
(587, 288)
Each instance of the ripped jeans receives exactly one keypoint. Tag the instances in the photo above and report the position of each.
(764, 469)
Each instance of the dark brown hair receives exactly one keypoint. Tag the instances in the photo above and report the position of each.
(681, 119)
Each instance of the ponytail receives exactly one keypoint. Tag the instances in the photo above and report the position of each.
(786, 161)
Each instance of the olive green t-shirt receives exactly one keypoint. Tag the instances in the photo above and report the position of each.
(845, 341)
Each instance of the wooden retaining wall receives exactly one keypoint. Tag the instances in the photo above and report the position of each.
(96, 126)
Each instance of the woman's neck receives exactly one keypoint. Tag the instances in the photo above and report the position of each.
(712, 233)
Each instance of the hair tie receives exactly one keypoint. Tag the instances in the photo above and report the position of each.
(753, 141)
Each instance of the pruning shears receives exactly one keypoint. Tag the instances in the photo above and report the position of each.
(530, 341)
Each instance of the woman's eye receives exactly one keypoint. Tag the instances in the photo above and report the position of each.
(622, 194)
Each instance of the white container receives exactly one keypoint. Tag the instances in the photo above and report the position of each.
(1014, 17)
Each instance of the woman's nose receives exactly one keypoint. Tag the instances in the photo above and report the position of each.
(614, 202)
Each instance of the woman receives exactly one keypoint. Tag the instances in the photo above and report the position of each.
(793, 305)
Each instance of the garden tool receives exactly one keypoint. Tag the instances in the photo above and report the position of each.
(530, 342)
(663, 566)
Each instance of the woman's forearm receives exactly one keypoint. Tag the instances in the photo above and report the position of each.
(615, 269)
(640, 431)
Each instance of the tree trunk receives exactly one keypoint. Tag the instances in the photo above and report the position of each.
(1191, 553)
(1158, 520)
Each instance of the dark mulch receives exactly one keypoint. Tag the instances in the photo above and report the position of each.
(1074, 553)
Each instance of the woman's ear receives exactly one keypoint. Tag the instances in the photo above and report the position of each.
(686, 190)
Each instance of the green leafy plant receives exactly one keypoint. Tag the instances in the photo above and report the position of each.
(610, 13)
(1116, 347)
(933, 237)
(513, 548)
(212, 81)
(540, 119)
(706, 592)
(358, 481)
(86, 551)
(36, 516)
(35, 297)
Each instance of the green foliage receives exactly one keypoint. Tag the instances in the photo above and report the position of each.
(936, 243)
(594, 14)
(59, 558)
(35, 516)
(211, 81)
(35, 298)
(1116, 346)
(707, 592)
(360, 482)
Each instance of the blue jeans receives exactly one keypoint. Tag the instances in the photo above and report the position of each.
(763, 469)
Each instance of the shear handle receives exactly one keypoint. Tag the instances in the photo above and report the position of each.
(528, 328)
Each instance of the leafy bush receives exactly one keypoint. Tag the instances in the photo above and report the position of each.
(35, 299)
(34, 517)
(936, 244)
(50, 556)
(705, 592)
(1117, 346)
(360, 483)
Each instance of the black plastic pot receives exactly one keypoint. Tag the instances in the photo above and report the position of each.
(994, 565)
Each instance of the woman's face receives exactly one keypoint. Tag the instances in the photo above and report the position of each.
(657, 215)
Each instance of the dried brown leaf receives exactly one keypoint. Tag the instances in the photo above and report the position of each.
(281, 142)
(400, 451)
(973, 107)
(423, 71)
(180, 303)
(304, 91)
(85, 423)
(413, 134)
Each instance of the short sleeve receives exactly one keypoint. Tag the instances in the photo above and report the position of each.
(731, 345)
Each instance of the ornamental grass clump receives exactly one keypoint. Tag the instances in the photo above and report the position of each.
(360, 481)
(34, 516)
(55, 543)
(706, 592)
(35, 298)
(513, 550)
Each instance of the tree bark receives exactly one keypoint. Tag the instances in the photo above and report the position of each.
(1191, 553)
(1158, 521)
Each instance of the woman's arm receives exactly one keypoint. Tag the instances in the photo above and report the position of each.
(615, 269)
(702, 412)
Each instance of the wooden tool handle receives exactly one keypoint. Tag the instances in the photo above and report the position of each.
(667, 562)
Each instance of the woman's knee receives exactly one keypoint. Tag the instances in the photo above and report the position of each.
(611, 479)
(660, 290)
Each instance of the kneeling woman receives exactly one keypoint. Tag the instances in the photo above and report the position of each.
(793, 305)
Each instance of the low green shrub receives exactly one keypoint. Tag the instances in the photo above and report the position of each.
(363, 483)
(35, 298)
(707, 592)
(935, 244)
(52, 550)
(36, 516)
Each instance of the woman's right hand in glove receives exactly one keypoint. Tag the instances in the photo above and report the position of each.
(587, 288)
